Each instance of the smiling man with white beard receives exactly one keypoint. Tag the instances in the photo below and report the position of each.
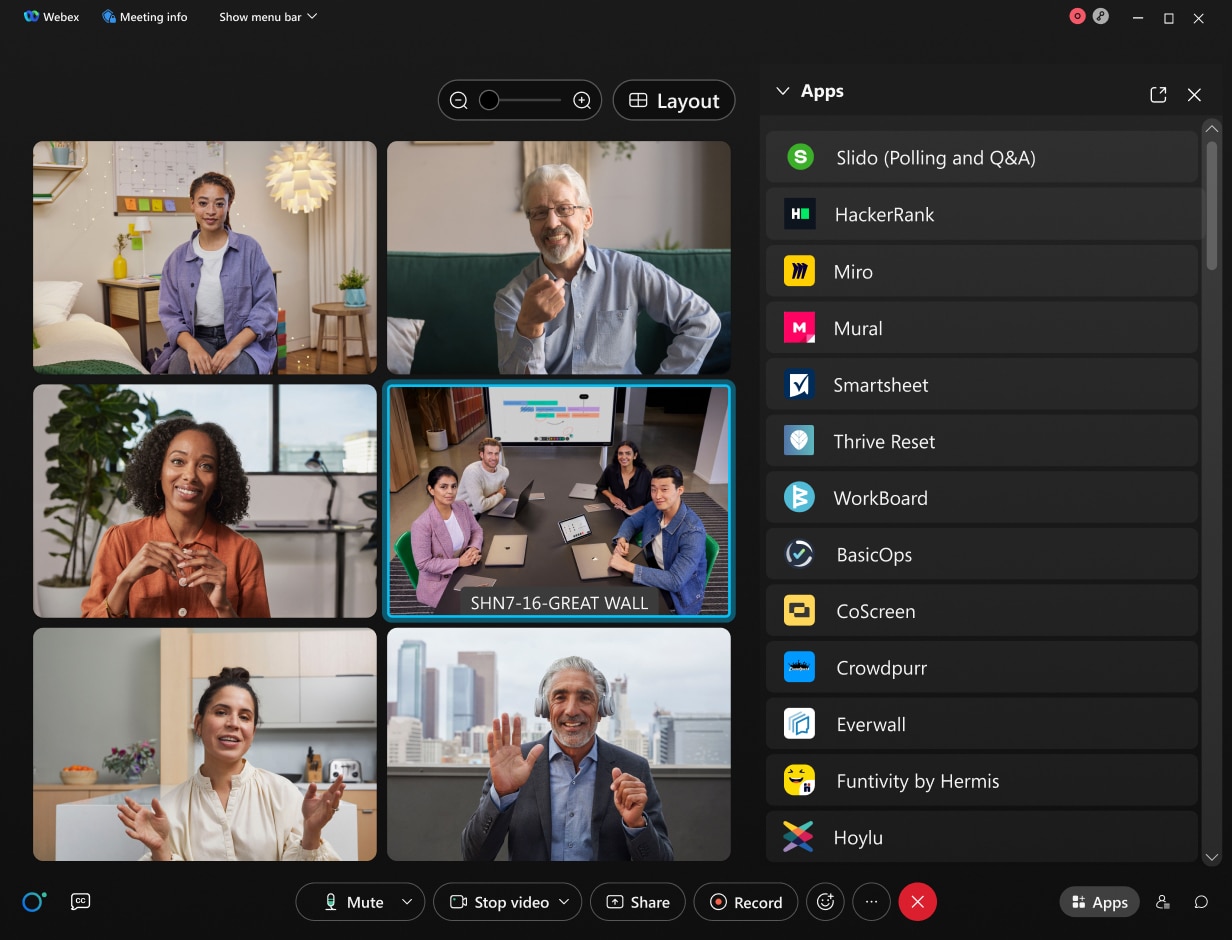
(587, 800)
(574, 309)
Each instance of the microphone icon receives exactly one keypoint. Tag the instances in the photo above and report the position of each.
(329, 901)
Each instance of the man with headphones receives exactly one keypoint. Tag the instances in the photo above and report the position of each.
(587, 800)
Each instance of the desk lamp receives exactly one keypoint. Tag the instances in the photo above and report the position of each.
(316, 463)
(142, 226)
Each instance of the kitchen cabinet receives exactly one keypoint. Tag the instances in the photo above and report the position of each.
(337, 653)
(338, 700)
(262, 654)
(365, 802)
(47, 796)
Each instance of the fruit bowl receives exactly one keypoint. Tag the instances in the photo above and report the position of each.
(79, 777)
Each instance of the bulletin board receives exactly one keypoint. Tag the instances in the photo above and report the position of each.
(152, 177)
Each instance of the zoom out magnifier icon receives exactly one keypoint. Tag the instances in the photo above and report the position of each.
(458, 100)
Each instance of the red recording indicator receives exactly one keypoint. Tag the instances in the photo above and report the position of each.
(917, 901)
(1077, 16)
(718, 901)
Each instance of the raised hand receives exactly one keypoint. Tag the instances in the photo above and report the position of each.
(509, 769)
(629, 794)
(149, 826)
(319, 806)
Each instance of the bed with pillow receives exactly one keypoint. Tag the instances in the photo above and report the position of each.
(67, 343)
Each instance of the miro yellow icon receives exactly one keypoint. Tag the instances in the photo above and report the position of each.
(799, 270)
(799, 780)
(799, 610)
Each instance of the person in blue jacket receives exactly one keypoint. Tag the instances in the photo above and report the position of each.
(674, 540)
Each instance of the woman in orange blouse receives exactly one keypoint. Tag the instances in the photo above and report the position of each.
(181, 559)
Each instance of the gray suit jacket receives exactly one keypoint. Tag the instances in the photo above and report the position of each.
(528, 823)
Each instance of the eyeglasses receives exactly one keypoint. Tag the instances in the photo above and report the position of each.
(539, 213)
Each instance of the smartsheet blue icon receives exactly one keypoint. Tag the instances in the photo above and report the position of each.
(798, 440)
(798, 383)
(799, 666)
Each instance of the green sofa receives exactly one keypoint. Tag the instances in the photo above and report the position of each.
(453, 294)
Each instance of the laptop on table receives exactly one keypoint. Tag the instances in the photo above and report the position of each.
(509, 507)
(592, 560)
(506, 550)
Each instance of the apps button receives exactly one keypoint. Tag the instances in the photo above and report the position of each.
(1099, 901)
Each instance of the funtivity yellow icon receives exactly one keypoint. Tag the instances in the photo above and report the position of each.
(799, 780)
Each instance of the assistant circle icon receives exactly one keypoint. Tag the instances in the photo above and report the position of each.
(32, 901)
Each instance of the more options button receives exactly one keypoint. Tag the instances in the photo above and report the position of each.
(637, 901)
(745, 900)
(1099, 901)
(334, 901)
(507, 900)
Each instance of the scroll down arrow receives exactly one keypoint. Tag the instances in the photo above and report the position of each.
(782, 91)
(1212, 857)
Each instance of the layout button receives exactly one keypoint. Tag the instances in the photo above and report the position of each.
(698, 99)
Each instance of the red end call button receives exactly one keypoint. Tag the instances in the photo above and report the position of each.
(917, 901)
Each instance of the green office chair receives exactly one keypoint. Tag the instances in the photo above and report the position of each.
(712, 552)
(403, 549)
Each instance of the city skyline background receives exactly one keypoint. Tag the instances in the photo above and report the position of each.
(681, 670)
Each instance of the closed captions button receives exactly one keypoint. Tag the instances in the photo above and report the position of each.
(1099, 901)
(698, 99)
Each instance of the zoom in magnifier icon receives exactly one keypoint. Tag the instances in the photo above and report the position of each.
(458, 100)
(581, 100)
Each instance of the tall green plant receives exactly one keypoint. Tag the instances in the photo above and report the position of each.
(96, 430)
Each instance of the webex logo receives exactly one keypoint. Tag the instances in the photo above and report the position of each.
(31, 16)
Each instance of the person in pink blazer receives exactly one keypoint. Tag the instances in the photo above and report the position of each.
(444, 537)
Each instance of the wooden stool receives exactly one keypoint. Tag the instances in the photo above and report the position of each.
(341, 312)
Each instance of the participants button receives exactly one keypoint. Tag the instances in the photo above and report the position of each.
(333, 901)
(639, 901)
(507, 900)
(745, 900)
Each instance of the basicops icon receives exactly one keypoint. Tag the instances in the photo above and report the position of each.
(31, 16)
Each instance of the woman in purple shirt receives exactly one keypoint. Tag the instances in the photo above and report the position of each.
(217, 300)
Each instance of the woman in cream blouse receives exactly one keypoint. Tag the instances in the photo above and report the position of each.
(230, 810)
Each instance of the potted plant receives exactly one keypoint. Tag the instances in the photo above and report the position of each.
(432, 404)
(132, 761)
(352, 287)
(119, 267)
(95, 431)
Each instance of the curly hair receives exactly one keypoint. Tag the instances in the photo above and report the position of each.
(215, 179)
(143, 471)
